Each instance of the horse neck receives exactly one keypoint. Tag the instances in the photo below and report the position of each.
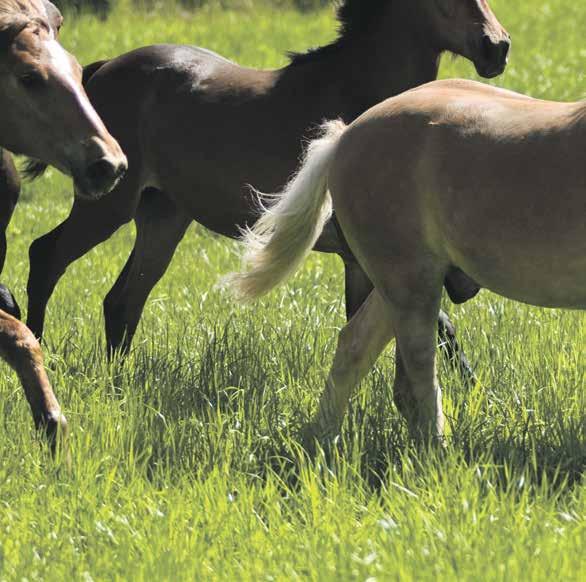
(362, 72)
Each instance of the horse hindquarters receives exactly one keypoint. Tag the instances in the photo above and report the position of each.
(380, 213)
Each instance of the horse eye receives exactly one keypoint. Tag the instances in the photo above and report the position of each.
(32, 81)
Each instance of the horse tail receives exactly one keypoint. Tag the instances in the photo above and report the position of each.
(286, 231)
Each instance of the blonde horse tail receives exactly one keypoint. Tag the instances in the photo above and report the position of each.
(286, 231)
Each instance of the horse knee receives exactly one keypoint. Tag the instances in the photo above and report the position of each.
(18, 344)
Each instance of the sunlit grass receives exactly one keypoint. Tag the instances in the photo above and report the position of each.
(186, 461)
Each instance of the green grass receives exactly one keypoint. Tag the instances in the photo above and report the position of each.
(186, 463)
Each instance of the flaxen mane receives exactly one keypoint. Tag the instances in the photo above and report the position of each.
(355, 18)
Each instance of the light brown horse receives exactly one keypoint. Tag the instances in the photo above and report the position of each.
(452, 174)
(44, 113)
(198, 129)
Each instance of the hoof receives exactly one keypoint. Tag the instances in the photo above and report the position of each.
(314, 437)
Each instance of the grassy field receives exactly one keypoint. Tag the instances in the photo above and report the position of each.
(186, 463)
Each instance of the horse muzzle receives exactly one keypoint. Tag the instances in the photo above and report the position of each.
(493, 56)
(100, 177)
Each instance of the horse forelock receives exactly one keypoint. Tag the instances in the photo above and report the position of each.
(30, 8)
(17, 14)
(355, 18)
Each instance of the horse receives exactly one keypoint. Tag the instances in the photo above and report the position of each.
(198, 129)
(451, 174)
(44, 113)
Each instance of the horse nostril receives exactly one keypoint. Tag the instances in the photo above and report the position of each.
(101, 171)
(504, 48)
(496, 53)
(103, 174)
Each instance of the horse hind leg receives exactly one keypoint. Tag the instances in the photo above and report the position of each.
(358, 287)
(359, 344)
(21, 351)
(416, 392)
(89, 224)
(160, 226)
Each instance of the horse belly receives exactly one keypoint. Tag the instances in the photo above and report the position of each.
(547, 270)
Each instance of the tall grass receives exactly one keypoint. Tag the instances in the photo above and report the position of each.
(185, 460)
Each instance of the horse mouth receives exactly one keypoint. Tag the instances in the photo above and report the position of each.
(490, 71)
(98, 180)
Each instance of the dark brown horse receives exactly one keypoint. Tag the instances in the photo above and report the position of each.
(444, 190)
(44, 113)
(198, 129)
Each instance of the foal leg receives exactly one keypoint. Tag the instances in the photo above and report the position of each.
(359, 344)
(358, 288)
(89, 224)
(21, 351)
(9, 194)
(160, 226)
(452, 349)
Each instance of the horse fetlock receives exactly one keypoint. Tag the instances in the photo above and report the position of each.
(424, 416)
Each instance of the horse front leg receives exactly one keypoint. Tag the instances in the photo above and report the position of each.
(21, 351)
(89, 224)
(9, 194)
(160, 226)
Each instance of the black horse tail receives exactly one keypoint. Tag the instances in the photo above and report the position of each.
(34, 169)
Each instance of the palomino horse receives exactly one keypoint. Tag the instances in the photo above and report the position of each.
(198, 129)
(44, 113)
(451, 174)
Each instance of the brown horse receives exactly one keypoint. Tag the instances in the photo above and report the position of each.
(44, 113)
(198, 129)
(422, 183)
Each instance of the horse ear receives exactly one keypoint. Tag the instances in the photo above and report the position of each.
(54, 15)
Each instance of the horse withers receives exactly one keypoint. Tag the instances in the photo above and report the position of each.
(46, 114)
(198, 129)
(454, 174)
